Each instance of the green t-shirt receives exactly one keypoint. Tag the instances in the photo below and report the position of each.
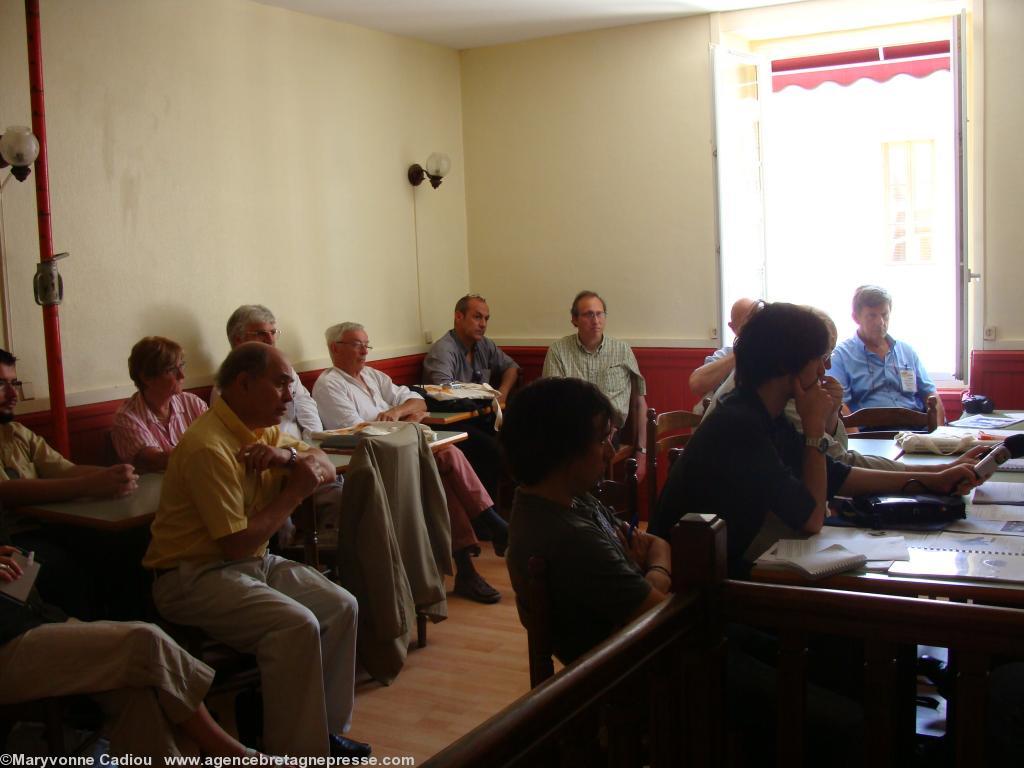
(593, 586)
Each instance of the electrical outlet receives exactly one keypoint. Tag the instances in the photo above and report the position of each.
(714, 333)
(28, 391)
(428, 337)
(990, 333)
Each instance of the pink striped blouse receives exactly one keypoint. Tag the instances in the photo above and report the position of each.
(136, 427)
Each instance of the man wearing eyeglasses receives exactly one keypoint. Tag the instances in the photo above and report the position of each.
(607, 363)
(352, 392)
(254, 322)
(31, 472)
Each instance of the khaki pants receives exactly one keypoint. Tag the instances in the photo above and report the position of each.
(301, 628)
(142, 679)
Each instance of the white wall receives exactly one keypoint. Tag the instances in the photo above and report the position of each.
(588, 165)
(1003, 266)
(208, 153)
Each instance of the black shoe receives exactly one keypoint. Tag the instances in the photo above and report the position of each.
(342, 747)
(475, 588)
(500, 541)
(481, 529)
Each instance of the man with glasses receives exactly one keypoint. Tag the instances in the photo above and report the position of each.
(600, 575)
(234, 478)
(31, 473)
(254, 322)
(352, 392)
(607, 363)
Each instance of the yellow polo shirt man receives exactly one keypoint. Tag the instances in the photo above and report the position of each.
(300, 626)
(207, 492)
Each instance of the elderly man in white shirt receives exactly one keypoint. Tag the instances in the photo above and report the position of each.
(351, 393)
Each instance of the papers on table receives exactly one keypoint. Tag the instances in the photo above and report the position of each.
(996, 558)
(988, 420)
(994, 492)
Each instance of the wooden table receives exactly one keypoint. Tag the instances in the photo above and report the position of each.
(988, 592)
(105, 514)
(442, 418)
(444, 439)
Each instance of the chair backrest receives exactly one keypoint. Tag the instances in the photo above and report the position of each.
(622, 495)
(538, 622)
(665, 431)
(892, 419)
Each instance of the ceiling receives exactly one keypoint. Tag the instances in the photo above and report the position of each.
(473, 23)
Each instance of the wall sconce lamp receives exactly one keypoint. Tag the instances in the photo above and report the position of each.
(19, 148)
(436, 168)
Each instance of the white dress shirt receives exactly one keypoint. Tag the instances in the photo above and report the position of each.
(344, 400)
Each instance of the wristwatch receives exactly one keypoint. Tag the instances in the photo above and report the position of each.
(820, 444)
(293, 458)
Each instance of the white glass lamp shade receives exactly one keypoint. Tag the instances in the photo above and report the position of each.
(438, 164)
(19, 146)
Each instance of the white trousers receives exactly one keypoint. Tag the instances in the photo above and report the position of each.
(144, 681)
(300, 626)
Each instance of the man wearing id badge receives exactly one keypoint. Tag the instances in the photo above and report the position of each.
(876, 370)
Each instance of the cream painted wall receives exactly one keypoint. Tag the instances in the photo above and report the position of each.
(588, 165)
(1003, 268)
(207, 153)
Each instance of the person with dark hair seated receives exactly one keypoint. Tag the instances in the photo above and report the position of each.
(31, 472)
(557, 440)
(748, 464)
(150, 423)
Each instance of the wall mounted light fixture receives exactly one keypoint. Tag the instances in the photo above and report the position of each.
(436, 168)
(18, 149)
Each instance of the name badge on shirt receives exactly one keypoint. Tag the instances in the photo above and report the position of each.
(908, 379)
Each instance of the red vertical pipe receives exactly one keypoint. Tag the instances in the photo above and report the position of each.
(51, 316)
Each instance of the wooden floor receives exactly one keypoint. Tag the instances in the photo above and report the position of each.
(474, 665)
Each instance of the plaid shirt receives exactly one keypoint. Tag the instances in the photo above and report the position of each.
(612, 368)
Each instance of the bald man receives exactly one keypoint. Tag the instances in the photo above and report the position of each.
(717, 367)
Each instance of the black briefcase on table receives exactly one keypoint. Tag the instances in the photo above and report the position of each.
(922, 511)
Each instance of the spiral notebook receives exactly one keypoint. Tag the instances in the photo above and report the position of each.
(981, 558)
(814, 565)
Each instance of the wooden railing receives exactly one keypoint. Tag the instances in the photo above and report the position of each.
(654, 693)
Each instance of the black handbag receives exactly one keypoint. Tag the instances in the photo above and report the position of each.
(923, 511)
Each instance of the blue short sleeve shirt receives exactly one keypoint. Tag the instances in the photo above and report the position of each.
(898, 381)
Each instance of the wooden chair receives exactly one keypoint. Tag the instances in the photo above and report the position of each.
(622, 495)
(665, 431)
(892, 420)
(538, 622)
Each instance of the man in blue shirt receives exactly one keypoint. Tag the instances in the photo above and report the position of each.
(876, 370)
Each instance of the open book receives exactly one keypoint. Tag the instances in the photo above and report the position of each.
(812, 564)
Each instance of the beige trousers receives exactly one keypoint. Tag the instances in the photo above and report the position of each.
(301, 628)
(142, 679)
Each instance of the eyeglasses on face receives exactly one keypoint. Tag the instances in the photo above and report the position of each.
(355, 344)
(14, 384)
(591, 315)
(272, 334)
(177, 370)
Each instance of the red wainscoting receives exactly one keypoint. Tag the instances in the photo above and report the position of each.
(1000, 375)
(667, 371)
